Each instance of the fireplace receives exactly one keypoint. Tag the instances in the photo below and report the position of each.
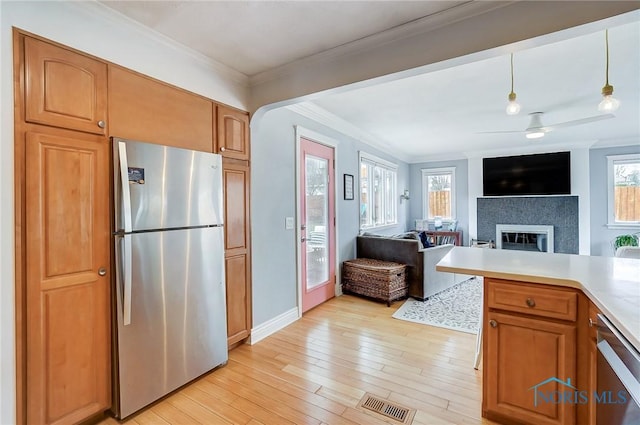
(524, 237)
(561, 212)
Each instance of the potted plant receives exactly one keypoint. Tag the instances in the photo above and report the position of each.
(625, 240)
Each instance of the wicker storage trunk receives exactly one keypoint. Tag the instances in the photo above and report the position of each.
(382, 280)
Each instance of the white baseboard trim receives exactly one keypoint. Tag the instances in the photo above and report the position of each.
(272, 326)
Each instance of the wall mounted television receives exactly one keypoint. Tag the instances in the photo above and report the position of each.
(537, 174)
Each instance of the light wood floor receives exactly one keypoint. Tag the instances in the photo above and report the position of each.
(316, 370)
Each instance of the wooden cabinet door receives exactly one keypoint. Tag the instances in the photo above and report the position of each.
(64, 89)
(237, 250)
(67, 296)
(521, 353)
(233, 133)
(238, 325)
(147, 110)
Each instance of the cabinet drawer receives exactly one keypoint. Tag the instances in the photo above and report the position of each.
(537, 301)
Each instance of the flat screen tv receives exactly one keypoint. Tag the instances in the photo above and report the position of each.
(538, 174)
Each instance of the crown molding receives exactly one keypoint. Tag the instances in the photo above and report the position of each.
(450, 156)
(413, 28)
(116, 18)
(619, 142)
(531, 149)
(324, 117)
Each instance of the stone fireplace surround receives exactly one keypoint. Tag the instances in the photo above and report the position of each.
(559, 211)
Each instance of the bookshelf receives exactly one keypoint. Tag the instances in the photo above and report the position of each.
(444, 237)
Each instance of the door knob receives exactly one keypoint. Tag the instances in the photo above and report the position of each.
(493, 323)
(101, 124)
(102, 271)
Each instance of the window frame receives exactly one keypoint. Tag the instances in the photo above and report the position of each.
(613, 160)
(388, 200)
(426, 173)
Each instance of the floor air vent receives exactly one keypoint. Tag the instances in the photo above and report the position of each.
(386, 408)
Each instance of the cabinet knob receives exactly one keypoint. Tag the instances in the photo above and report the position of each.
(591, 322)
(531, 302)
(101, 124)
(222, 149)
(493, 323)
(102, 271)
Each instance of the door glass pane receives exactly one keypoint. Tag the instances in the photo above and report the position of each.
(365, 217)
(317, 213)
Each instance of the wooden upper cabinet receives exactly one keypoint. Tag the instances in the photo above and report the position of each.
(233, 133)
(144, 109)
(63, 88)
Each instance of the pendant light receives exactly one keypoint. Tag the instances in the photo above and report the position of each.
(608, 103)
(513, 107)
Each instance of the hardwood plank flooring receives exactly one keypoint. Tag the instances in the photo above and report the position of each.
(316, 370)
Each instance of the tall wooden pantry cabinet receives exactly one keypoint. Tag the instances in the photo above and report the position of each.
(233, 145)
(62, 233)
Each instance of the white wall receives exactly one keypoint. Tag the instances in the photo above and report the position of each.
(91, 28)
(579, 187)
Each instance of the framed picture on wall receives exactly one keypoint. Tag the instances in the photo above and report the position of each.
(348, 187)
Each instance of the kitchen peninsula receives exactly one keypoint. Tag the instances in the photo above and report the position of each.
(538, 326)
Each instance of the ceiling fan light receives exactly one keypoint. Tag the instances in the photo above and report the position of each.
(536, 134)
(513, 107)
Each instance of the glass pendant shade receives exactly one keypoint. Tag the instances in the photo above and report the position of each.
(608, 104)
(513, 107)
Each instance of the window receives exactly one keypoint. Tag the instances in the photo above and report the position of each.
(377, 192)
(624, 190)
(438, 185)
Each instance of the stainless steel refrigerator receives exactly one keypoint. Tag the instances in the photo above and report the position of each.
(170, 304)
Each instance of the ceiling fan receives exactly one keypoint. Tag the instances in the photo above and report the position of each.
(536, 129)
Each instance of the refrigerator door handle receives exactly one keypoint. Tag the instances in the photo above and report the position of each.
(124, 178)
(126, 266)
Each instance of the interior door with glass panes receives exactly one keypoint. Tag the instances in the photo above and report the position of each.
(318, 223)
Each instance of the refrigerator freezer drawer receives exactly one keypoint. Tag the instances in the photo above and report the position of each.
(177, 328)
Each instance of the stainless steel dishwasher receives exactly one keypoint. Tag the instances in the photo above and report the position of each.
(618, 378)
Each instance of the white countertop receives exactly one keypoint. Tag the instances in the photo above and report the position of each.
(612, 284)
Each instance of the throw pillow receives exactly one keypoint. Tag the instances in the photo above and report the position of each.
(424, 239)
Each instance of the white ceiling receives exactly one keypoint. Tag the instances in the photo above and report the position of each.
(429, 116)
(255, 36)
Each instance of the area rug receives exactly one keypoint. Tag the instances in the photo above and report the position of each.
(457, 308)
